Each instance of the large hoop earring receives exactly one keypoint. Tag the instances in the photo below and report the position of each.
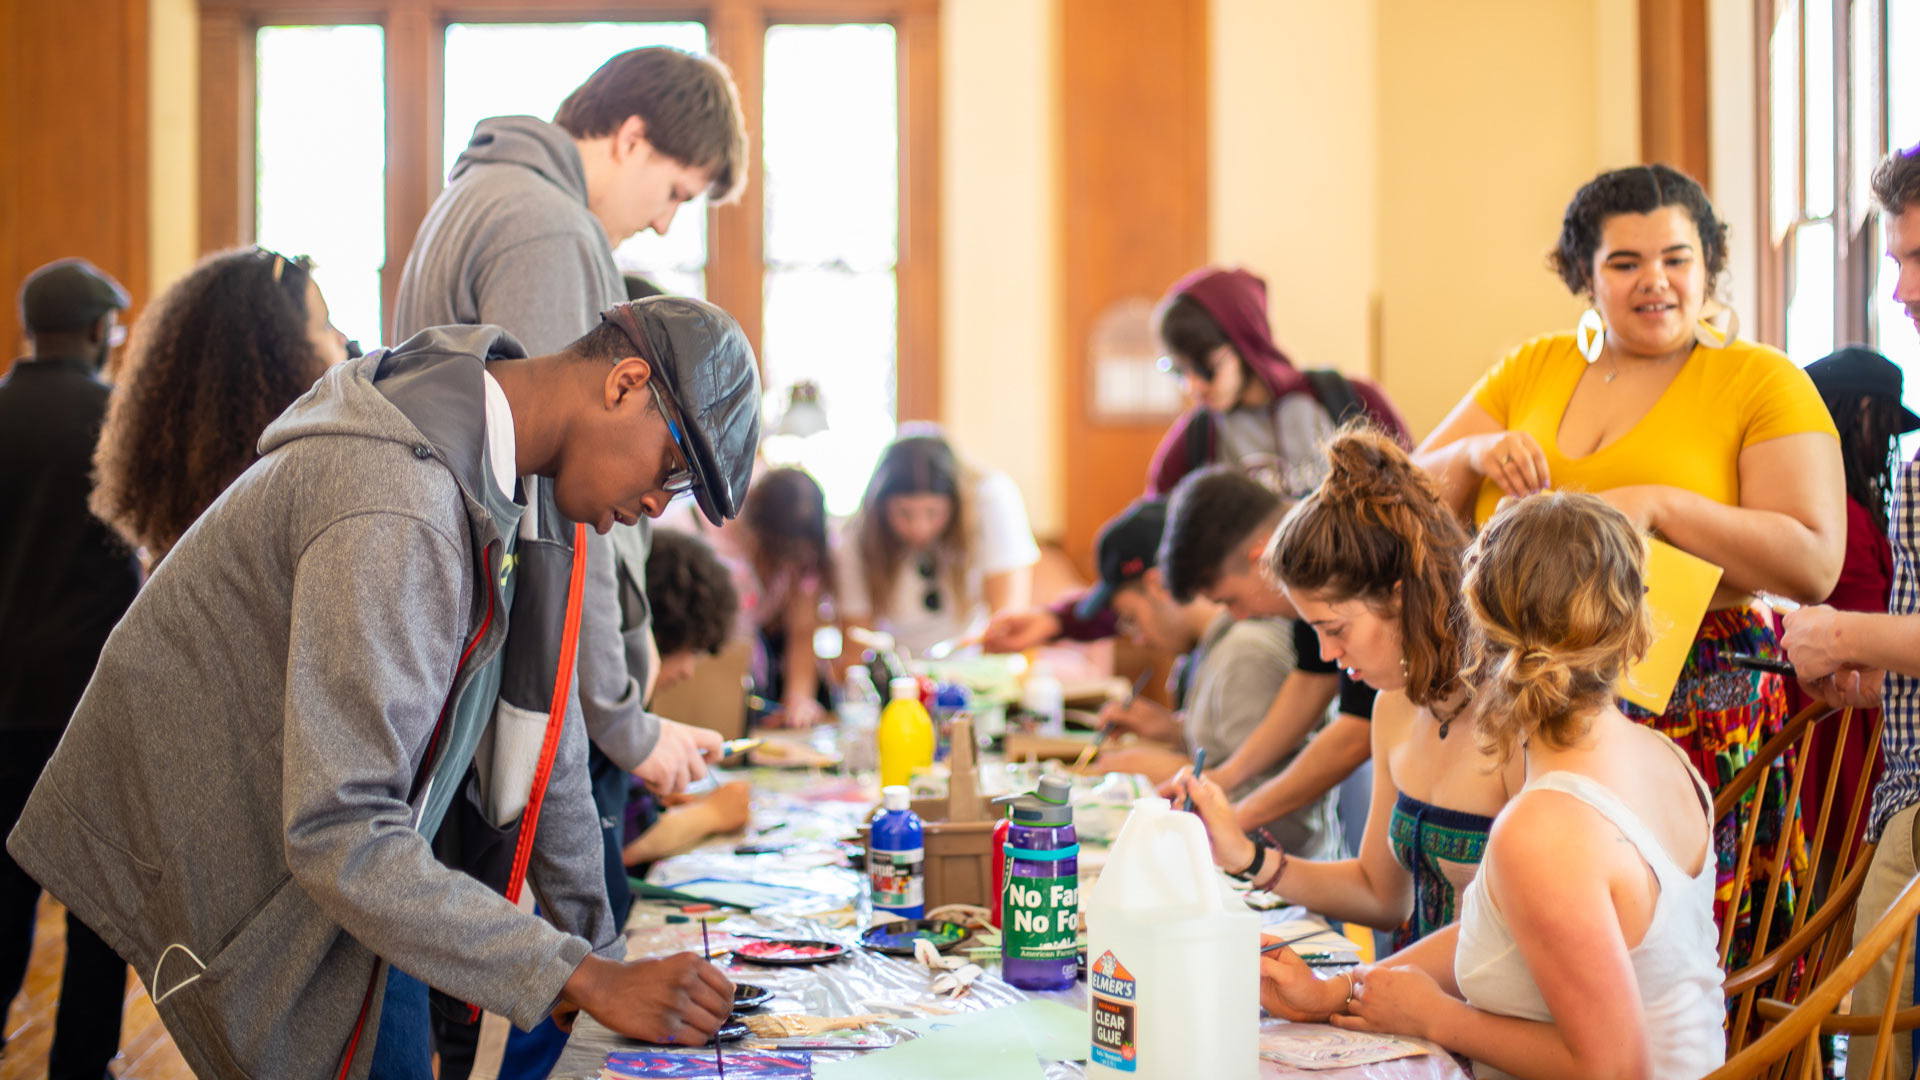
(1717, 327)
(1590, 335)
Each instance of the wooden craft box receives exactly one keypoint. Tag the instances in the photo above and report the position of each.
(958, 833)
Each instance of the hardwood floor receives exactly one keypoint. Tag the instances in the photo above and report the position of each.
(146, 1053)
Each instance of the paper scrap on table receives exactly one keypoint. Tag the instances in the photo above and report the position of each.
(740, 1065)
(1323, 1046)
(1325, 940)
(1679, 589)
(748, 894)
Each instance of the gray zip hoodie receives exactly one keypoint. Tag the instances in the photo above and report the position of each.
(239, 802)
(511, 242)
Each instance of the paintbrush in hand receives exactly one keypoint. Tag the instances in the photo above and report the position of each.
(706, 953)
(1080, 763)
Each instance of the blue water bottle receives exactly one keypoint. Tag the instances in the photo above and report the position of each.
(896, 857)
(1040, 899)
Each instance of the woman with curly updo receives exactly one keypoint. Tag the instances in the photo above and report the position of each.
(1586, 944)
(1372, 560)
(217, 357)
(1719, 446)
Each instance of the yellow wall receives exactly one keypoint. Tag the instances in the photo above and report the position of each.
(1000, 374)
(1292, 192)
(173, 164)
(1491, 116)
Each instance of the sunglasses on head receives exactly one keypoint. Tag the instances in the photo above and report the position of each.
(928, 568)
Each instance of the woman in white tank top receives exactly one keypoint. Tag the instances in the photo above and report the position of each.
(1586, 946)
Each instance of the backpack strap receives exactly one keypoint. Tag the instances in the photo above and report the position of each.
(1335, 394)
(1199, 439)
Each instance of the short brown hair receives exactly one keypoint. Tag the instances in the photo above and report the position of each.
(687, 101)
(1377, 522)
(1556, 585)
(1896, 180)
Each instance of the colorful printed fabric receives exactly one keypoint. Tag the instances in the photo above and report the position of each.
(1720, 715)
(1442, 849)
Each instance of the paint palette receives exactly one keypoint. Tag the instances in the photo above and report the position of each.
(897, 938)
(789, 952)
(748, 996)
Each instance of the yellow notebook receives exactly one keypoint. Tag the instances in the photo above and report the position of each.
(1679, 589)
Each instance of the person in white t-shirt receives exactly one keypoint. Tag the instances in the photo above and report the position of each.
(936, 548)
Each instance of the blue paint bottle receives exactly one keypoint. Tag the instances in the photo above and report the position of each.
(896, 857)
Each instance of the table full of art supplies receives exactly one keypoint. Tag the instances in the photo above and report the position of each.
(827, 985)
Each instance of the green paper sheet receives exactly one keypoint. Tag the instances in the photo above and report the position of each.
(1053, 1031)
(968, 1053)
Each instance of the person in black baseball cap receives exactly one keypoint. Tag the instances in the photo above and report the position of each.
(1228, 672)
(70, 307)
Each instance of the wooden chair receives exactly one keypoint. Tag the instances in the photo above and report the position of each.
(1791, 1047)
(1821, 933)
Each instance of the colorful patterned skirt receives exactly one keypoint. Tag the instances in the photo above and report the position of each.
(1720, 715)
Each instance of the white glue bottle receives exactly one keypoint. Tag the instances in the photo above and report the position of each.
(1173, 958)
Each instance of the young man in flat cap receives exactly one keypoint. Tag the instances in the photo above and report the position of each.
(242, 803)
(522, 238)
(65, 580)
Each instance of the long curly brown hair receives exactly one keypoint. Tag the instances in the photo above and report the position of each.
(1376, 523)
(219, 354)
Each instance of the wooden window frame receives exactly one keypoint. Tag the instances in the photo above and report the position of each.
(736, 29)
(1856, 253)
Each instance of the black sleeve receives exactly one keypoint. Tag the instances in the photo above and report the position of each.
(1306, 651)
(1356, 698)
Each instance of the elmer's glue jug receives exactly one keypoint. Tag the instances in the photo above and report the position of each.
(1173, 958)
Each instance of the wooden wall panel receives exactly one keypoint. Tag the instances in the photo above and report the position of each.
(1673, 86)
(1133, 203)
(73, 144)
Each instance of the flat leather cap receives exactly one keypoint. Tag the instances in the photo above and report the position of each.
(703, 358)
(68, 294)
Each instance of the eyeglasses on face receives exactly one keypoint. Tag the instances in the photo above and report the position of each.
(679, 478)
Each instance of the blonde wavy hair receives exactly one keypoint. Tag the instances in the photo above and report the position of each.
(1556, 590)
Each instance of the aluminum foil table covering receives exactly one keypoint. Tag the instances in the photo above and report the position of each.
(862, 982)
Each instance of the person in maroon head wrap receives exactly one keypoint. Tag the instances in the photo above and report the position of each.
(1252, 408)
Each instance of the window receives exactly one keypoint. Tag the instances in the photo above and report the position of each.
(831, 167)
(1833, 107)
(333, 140)
(320, 161)
(548, 60)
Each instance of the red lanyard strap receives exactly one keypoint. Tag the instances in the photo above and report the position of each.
(562, 685)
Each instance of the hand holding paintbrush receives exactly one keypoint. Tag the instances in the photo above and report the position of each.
(1080, 763)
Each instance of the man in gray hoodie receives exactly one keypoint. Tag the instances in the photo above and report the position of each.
(354, 632)
(522, 238)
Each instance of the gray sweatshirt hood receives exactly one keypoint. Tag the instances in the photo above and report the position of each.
(527, 141)
(345, 401)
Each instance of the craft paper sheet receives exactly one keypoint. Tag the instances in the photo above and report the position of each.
(1323, 1046)
(1679, 589)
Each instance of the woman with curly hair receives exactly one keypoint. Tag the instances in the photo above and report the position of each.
(219, 355)
(1373, 560)
(1721, 447)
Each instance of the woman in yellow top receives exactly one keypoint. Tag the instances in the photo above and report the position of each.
(1720, 447)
